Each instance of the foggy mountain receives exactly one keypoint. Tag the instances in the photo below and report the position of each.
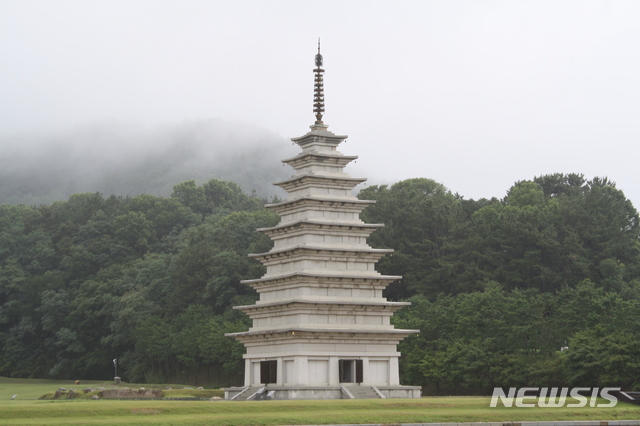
(125, 159)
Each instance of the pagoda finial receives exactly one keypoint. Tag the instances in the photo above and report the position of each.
(318, 98)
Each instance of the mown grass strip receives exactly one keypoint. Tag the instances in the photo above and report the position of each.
(425, 410)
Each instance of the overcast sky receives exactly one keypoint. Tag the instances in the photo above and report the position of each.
(474, 94)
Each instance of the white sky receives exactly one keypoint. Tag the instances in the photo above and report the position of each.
(474, 94)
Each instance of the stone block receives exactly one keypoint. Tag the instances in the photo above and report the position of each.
(131, 393)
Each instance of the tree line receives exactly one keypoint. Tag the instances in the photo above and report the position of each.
(146, 279)
(539, 288)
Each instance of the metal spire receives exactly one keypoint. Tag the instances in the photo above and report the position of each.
(318, 97)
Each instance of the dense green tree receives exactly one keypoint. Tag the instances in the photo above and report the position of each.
(604, 359)
(152, 359)
(497, 286)
(419, 217)
(213, 196)
(515, 242)
(192, 196)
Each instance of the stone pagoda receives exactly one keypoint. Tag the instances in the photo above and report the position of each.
(321, 328)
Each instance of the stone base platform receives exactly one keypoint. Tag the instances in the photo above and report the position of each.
(400, 391)
(271, 392)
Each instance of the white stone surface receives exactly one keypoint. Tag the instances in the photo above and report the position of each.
(321, 297)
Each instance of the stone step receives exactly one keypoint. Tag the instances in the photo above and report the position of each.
(627, 396)
(246, 394)
(363, 392)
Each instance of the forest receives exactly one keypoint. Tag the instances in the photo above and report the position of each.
(539, 288)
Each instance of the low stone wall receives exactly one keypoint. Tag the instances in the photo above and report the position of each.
(131, 393)
(289, 392)
(307, 393)
(319, 392)
(400, 391)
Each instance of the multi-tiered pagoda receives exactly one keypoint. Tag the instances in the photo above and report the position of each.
(321, 328)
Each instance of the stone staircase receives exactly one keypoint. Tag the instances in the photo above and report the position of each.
(362, 392)
(627, 396)
(249, 392)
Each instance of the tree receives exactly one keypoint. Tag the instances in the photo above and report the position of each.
(192, 196)
(419, 217)
(134, 231)
(599, 358)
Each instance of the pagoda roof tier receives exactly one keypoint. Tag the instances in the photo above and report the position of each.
(338, 309)
(312, 157)
(318, 251)
(329, 341)
(319, 137)
(319, 279)
(337, 316)
(320, 224)
(320, 200)
(315, 334)
(310, 179)
(327, 304)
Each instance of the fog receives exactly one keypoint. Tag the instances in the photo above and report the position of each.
(474, 94)
(127, 159)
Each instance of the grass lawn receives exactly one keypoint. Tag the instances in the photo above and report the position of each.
(26, 389)
(22, 411)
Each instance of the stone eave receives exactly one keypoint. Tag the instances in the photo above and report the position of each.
(324, 180)
(320, 223)
(320, 249)
(337, 277)
(304, 157)
(323, 302)
(320, 200)
(322, 135)
(340, 331)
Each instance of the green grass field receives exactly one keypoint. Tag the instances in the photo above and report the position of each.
(26, 410)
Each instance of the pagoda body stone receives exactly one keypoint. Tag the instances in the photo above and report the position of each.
(321, 328)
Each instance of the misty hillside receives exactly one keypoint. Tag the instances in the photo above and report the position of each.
(121, 159)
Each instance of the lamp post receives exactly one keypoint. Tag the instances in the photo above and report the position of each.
(116, 379)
